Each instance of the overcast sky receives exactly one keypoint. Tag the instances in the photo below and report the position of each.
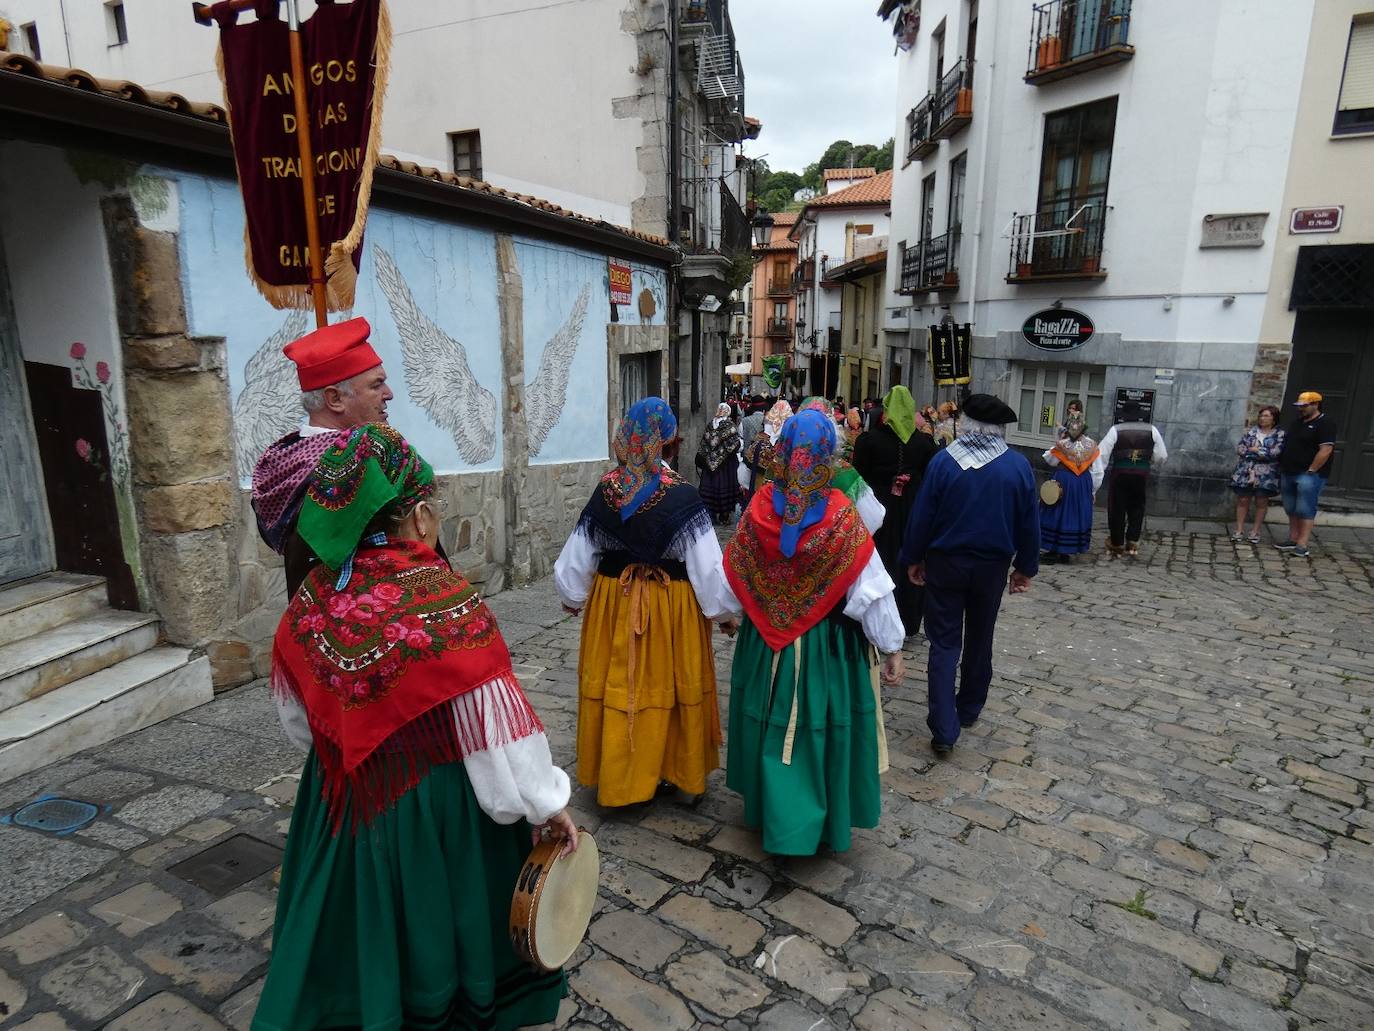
(815, 71)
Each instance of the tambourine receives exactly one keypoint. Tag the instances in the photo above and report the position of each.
(1051, 491)
(553, 901)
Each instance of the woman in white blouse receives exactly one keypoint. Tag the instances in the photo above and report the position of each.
(806, 732)
(643, 566)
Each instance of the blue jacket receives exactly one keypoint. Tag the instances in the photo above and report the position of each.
(987, 513)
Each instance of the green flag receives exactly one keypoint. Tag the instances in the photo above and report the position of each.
(774, 368)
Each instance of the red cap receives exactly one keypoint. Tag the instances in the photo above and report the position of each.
(332, 354)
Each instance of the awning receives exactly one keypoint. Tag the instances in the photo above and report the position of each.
(742, 369)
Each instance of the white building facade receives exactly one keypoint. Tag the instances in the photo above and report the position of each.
(1125, 161)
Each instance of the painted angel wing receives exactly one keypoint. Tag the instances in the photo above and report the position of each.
(269, 405)
(436, 368)
(548, 391)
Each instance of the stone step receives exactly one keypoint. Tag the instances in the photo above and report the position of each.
(128, 696)
(36, 665)
(43, 602)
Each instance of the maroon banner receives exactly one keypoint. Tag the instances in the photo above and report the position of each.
(346, 49)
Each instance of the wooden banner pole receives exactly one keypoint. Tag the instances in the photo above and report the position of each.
(312, 217)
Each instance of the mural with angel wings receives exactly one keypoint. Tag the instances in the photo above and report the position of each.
(268, 407)
(438, 377)
(547, 393)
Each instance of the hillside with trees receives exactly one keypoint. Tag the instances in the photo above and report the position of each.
(774, 191)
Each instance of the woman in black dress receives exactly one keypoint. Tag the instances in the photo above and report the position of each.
(892, 458)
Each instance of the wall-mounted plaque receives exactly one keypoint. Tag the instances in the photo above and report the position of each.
(1244, 230)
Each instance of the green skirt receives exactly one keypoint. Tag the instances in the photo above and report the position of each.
(830, 784)
(404, 924)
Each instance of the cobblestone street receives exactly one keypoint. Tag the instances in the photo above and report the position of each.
(1163, 821)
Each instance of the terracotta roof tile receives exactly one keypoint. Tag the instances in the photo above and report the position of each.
(848, 173)
(784, 218)
(873, 191)
(133, 93)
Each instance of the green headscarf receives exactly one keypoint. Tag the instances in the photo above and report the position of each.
(899, 412)
(359, 475)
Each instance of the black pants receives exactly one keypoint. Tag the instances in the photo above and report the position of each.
(1126, 507)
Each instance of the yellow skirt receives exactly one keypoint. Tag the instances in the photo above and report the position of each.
(646, 689)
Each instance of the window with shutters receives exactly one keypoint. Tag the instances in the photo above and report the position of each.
(467, 153)
(1355, 108)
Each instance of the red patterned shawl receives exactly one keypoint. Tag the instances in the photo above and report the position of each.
(374, 665)
(785, 597)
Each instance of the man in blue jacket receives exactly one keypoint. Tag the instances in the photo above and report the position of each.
(975, 518)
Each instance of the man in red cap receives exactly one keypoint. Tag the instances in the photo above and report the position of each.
(343, 385)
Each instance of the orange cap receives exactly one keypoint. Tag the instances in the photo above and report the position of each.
(1308, 397)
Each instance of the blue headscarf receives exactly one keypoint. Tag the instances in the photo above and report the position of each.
(801, 489)
(647, 426)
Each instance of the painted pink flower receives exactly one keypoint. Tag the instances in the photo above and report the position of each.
(387, 594)
(393, 632)
(102, 372)
(78, 351)
(83, 448)
(419, 639)
(340, 605)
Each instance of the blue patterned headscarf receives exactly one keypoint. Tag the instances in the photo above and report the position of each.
(801, 489)
(647, 426)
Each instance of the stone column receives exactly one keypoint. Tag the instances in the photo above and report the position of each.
(177, 396)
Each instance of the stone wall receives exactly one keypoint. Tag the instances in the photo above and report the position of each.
(177, 398)
(1201, 414)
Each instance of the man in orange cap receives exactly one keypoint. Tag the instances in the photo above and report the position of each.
(1304, 465)
(343, 385)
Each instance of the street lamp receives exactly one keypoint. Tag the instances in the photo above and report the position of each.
(763, 228)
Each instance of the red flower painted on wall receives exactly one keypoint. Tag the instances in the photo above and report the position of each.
(100, 381)
(78, 351)
(83, 448)
(102, 372)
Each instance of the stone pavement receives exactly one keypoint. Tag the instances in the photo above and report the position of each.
(1163, 821)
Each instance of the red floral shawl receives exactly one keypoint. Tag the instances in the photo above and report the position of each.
(785, 597)
(374, 664)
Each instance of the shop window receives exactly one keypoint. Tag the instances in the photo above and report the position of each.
(1043, 392)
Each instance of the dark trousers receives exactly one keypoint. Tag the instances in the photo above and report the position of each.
(962, 597)
(1125, 507)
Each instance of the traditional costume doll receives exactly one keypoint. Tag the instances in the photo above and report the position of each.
(718, 463)
(427, 767)
(806, 741)
(1066, 526)
(644, 567)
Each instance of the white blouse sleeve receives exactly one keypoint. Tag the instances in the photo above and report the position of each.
(1050, 458)
(575, 569)
(1098, 471)
(1161, 453)
(872, 601)
(293, 721)
(706, 571)
(871, 510)
(513, 776)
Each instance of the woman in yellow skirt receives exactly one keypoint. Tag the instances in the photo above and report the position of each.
(645, 565)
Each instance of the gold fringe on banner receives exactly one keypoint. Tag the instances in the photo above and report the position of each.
(341, 278)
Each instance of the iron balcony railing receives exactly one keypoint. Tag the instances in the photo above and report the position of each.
(780, 285)
(1061, 240)
(779, 328)
(931, 264)
(953, 98)
(1069, 36)
(918, 141)
(736, 237)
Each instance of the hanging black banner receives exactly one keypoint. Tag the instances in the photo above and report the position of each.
(950, 352)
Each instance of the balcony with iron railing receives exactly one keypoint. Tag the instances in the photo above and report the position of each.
(931, 265)
(778, 328)
(942, 114)
(780, 286)
(1058, 242)
(1073, 36)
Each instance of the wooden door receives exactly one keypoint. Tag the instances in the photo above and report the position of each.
(1333, 354)
(25, 540)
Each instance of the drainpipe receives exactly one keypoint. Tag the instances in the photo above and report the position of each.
(986, 132)
(674, 351)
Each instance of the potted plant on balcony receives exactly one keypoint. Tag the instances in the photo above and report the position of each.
(1091, 263)
(1023, 269)
(963, 103)
(1049, 53)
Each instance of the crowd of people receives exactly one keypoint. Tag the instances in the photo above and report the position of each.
(428, 774)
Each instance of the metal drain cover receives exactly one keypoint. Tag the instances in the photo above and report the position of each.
(222, 868)
(55, 815)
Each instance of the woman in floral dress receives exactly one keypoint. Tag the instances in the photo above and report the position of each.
(1257, 471)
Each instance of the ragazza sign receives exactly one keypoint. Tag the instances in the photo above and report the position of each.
(1057, 329)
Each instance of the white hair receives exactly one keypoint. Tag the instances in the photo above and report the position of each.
(966, 425)
(313, 400)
